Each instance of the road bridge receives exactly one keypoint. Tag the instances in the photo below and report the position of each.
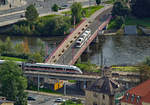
(61, 76)
(66, 53)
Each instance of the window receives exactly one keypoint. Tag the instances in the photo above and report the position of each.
(132, 98)
(138, 99)
(127, 96)
(94, 94)
(103, 96)
(94, 103)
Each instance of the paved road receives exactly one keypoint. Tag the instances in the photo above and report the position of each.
(43, 7)
(71, 51)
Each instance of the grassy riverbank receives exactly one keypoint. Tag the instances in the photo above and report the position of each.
(88, 10)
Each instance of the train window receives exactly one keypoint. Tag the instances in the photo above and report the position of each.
(86, 25)
(55, 60)
(82, 29)
(53, 57)
(63, 50)
(75, 37)
(79, 33)
(67, 46)
(59, 55)
(71, 41)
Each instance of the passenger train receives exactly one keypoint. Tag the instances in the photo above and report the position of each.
(44, 67)
(83, 38)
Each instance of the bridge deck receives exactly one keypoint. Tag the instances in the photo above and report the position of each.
(65, 53)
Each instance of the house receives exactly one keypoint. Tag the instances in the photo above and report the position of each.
(139, 95)
(102, 91)
(6, 102)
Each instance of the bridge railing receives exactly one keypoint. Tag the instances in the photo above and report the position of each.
(89, 41)
(67, 42)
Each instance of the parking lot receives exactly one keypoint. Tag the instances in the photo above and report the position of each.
(45, 99)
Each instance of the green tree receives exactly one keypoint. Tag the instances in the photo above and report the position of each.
(98, 2)
(144, 72)
(119, 9)
(76, 12)
(55, 7)
(35, 57)
(31, 13)
(13, 83)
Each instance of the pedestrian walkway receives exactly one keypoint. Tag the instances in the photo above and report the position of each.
(12, 4)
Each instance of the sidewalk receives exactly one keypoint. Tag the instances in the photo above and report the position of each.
(14, 4)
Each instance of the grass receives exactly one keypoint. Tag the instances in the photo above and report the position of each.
(88, 67)
(125, 68)
(72, 81)
(47, 17)
(11, 58)
(135, 21)
(34, 88)
(89, 10)
(69, 102)
(109, 2)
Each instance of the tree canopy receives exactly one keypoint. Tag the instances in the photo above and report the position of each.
(76, 12)
(31, 13)
(13, 83)
(119, 9)
(98, 2)
(55, 7)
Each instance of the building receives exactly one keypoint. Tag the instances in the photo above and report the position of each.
(3, 101)
(102, 91)
(139, 95)
(6, 102)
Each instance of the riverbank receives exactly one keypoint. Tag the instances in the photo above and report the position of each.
(51, 25)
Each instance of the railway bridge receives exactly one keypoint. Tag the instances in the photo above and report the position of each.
(66, 53)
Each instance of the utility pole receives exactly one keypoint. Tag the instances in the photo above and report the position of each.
(64, 88)
(38, 82)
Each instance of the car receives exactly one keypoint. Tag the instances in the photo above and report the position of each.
(31, 98)
(74, 99)
(59, 100)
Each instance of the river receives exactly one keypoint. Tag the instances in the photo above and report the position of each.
(116, 49)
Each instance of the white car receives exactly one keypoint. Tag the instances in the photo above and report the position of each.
(60, 100)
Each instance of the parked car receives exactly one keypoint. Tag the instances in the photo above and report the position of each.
(31, 98)
(59, 100)
(74, 99)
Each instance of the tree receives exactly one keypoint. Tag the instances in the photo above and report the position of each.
(55, 7)
(98, 2)
(119, 9)
(31, 13)
(144, 72)
(13, 83)
(36, 57)
(76, 12)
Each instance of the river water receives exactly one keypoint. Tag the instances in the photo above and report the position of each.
(116, 49)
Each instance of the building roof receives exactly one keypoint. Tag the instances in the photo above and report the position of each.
(130, 30)
(142, 91)
(104, 85)
(5, 101)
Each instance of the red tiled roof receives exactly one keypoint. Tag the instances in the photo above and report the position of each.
(142, 90)
(147, 98)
